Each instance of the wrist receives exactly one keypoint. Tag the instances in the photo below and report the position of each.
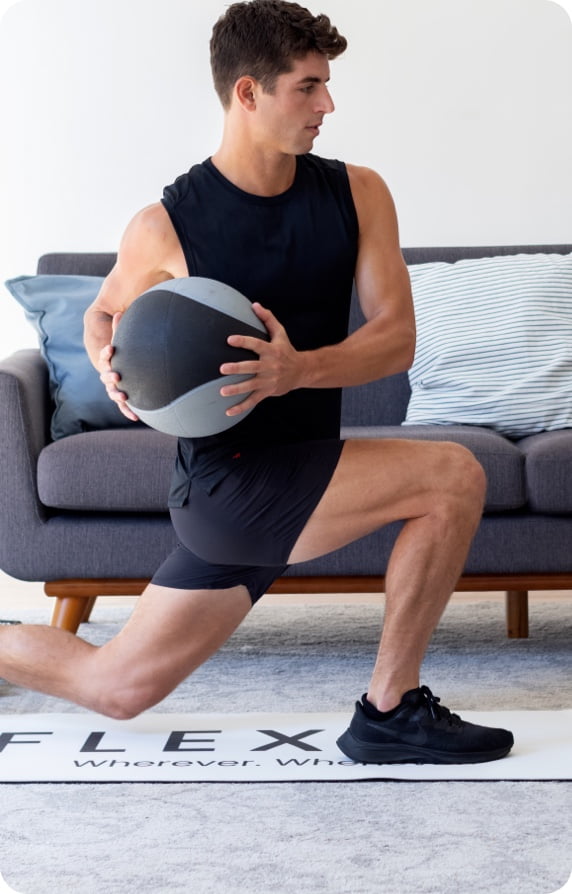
(310, 370)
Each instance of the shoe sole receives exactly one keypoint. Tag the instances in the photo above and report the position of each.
(365, 752)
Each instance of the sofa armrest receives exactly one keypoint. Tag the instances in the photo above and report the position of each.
(25, 411)
(24, 376)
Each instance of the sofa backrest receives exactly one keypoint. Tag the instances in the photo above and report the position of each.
(383, 402)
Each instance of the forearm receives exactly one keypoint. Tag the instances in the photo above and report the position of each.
(381, 347)
(375, 350)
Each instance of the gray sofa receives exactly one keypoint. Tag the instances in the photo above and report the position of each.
(86, 514)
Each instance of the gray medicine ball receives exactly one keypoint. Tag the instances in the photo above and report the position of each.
(168, 349)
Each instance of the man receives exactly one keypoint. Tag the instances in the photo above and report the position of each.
(291, 231)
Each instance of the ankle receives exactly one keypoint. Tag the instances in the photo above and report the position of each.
(384, 703)
(387, 698)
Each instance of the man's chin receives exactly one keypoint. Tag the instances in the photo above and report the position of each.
(305, 146)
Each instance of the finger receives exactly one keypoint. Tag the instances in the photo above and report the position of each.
(104, 359)
(109, 377)
(128, 412)
(267, 317)
(247, 342)
(237, 388)
(248, 367)
(115, 321)
(242, 407)
(118, 396)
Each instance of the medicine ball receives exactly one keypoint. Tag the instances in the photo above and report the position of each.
(168, 349)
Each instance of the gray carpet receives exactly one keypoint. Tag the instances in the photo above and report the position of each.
(354, 838)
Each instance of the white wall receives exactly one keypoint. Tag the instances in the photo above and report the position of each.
(464, 106)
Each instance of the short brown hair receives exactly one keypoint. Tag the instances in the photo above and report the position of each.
(262, 38)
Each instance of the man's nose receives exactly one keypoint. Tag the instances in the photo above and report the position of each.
(326, 104)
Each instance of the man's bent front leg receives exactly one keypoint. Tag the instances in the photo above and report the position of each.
(438, 489)
(169, 634)
(426, 562)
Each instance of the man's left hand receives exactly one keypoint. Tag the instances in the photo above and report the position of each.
(277, 370)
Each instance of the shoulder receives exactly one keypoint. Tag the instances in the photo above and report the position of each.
(371, 195)
(150, 240)
(366, 182)
(149, 253)
(149, 224)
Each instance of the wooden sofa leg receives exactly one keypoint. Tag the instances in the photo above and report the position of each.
(88, 609)
(517, 614)
(70, 611)
(75, 597)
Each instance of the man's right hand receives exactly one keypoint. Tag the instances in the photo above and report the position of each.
(111, 378)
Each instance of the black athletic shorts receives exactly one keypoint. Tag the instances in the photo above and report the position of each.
(243, 531)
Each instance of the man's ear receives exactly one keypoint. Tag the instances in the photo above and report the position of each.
(245, 92)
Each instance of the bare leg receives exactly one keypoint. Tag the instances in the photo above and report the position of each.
(170, 633)
(439, 489)
(425, 565)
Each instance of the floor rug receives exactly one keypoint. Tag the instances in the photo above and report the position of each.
(253, 747)
(506, 837)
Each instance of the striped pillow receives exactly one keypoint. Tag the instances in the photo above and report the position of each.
(494, 343)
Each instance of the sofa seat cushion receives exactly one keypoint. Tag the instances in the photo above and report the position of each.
(501, 459)
(127, 470)
(548, 463)
(119, 470)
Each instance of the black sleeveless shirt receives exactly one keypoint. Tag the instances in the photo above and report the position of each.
(295, 253)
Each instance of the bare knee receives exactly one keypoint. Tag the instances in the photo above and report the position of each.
(125, 704)
(462, 482)
(124, 695)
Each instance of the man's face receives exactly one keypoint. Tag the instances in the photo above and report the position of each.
(289, 118)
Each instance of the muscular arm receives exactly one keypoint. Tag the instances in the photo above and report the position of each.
(149, 253)
(384, 345)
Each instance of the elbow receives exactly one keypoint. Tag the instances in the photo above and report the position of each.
(411, 351)
(408, 350)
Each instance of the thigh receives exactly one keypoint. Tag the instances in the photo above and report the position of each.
(169, 634)
(255, 515)
(377, 482)
(184, 570)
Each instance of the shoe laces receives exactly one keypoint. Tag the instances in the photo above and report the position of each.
(436, 710)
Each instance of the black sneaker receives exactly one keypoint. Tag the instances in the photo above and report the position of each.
(420, 731)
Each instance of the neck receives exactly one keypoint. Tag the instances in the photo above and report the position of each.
(257, 172)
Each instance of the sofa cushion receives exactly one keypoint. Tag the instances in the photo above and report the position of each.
(494, 343)
(548, 464)
(121, 470)
(130, 469)
(502, 461)
(55, 306)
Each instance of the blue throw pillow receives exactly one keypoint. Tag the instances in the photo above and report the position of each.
(55, 306)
